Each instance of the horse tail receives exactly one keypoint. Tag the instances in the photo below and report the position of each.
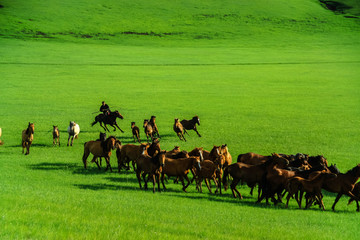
(225, 178)
(86, 154)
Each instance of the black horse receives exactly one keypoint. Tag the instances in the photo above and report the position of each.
(191, 124)
(108, 119)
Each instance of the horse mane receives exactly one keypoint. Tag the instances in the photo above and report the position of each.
(353, 170)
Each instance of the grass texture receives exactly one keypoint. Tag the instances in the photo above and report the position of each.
(269, 76)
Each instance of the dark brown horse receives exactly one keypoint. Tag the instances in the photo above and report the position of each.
(96, 148)
(250, 174)
(108, 119)
(356, 192)
(154, 148)
(343, 184)
(27, 138)
(191, 124)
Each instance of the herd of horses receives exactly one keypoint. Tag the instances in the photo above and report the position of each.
(299, 176)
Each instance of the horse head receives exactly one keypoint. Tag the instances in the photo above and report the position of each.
(30, 129)
(146, 122)
(196, 163)
(118, 114)
(278, 160)
(111, 143)
(197, 120)
(161, 158)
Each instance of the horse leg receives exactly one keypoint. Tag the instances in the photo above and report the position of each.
(233, 188)
(183, 137)
(197, 132)
(118, 127)
(95, 160)
(336, 200)
(154, 180)
(145, 181)
(108, 165)
(288, 199)
(158, 181)
(138, 175)
(207, 185)
(68, 140)
(162, 180)
(188, 181)
(182, 181)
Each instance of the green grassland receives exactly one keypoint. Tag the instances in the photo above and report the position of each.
(263, 76)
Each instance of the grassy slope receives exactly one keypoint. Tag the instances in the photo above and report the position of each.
(309, 106)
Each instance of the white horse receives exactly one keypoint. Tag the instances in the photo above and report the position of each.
(73, 131)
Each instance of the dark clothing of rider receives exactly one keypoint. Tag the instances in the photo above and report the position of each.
(105, 109)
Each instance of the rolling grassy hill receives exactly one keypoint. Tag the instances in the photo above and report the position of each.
(263, 76)
(240, 21)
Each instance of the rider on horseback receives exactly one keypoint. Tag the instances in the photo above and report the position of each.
(104, 108)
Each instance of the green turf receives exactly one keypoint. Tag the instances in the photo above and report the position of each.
(269, 76)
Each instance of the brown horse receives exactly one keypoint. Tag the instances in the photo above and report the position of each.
(129, 153)
(252, 158)
(343, 184)
(154, 126)
(149, 132)
(209, 171)
(151, 166)
(154, 148)
(135, 131)
(27, 138)
(180, 168)
(251, 174)
(191, 124)
(226, 154)
(95, 147)
(179, 129)
(310, 186)
(56, 136)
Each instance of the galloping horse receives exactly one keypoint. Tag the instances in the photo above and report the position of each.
(108, 119)
(96, 148)
(27, 138)
(73, 130)
(343, 184)
(191, 124)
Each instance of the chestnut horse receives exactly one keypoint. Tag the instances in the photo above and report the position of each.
(129, 153)
(149, 132)
(343, 184)
(96, 148)
(27, 138)
(180, 168)
(179, 129)
(310, 186)
(56, 136)
(151, 166)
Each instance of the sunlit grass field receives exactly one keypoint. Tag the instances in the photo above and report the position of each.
(283, 82)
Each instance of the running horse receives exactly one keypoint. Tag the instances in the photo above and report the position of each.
(191, 124)
(108, 119)
(27, 138)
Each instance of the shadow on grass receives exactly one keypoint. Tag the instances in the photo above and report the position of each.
(53, 166)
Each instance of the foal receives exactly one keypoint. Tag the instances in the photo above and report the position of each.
(56, 136)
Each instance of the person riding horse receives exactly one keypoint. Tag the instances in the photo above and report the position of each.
(104, 108)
